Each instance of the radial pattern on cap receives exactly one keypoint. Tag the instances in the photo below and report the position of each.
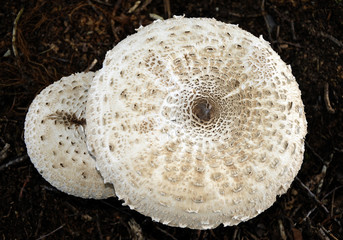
(196, 123)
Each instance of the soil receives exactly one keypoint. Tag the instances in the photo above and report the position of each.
(41, 41)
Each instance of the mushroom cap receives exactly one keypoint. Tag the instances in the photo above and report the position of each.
(196, 123)
(55, 138)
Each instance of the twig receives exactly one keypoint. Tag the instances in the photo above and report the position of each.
(116, 208)
(322, 176)
(60, 59)
(244, 15)
(3, 152)
(313, 209)
(312, 195)
(50, 188)
(338, 150)
(27, 179)
(289, 43)
(251, 235)
(98, 226)
(235, 233)
(328, 233)
(94, 8)
(39, 224)
(293, 30)
(116, 7)
(50, 233)
(266, 20)
(135, 230)
(332, 38)
(166, 4)
(322, 234)
(315, 153)
(311, 31)
(155, 16)
(114, 30)
(166, 233)
(112, 22)
(332, 191)
(310, 212)
(90, 67)
(14, 32)
(145, 4)
(323, 34)
(8, 120)
(327, 99)
(103, 3)
(212, 234)
(134, 7)
(282, 230)
(332, 203)
(12, 162)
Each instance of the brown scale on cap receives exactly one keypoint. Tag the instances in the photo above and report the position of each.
(67, 119)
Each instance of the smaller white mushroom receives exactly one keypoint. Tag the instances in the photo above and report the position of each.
(55, 139)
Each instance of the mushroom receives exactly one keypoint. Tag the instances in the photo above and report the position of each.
(55, 138)
(196, 123)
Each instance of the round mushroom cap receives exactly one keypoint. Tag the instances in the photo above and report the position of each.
(196, 123)
(55, 139)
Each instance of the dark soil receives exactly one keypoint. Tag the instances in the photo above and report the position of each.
(57, 38)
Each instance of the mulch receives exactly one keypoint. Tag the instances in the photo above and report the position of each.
(41, 41)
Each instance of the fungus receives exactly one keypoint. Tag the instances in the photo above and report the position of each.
(196, 123)
(55, 139)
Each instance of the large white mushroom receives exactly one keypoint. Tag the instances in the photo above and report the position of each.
(196, 123)
(55, 139)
